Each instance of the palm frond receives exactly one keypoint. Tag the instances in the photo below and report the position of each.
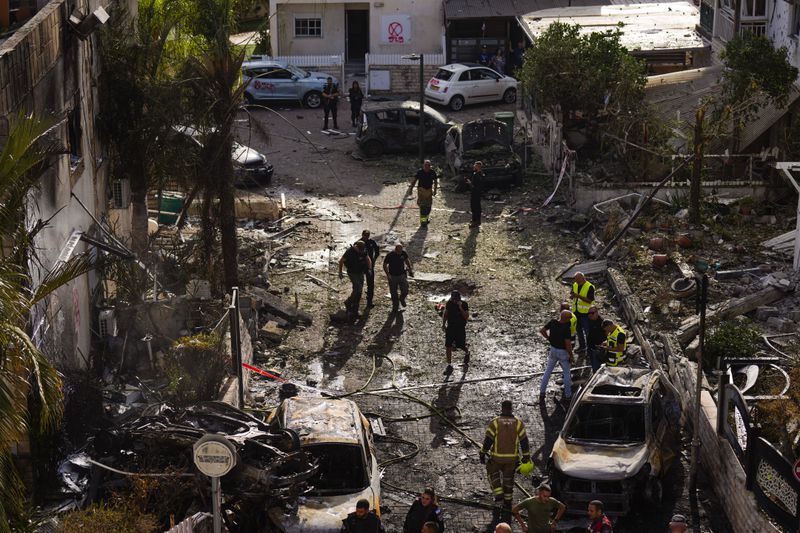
(60, 275)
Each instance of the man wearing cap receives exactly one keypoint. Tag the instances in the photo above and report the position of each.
(362, 521)
(558, 334)
(616, 343)
(427, 182)
(454, 324)
(356, 262)
(371, 251)
(598, 521)
(397, 267)
(678, 524)
(544, 511)
(505, 439)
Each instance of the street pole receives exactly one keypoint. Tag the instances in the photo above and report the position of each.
(236, 342)
(421, 109)
(216, 497)
(701, 304)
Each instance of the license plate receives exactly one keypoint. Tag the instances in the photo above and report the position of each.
(434, 88)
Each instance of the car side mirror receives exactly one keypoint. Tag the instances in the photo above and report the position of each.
(295, 78)
(497, 80)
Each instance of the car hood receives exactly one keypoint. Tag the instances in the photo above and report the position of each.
(315, 76)
(598, 463)
(244, 155)
(319, 514)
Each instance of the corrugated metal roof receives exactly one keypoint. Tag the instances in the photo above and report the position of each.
(471, 9)
(767, 116)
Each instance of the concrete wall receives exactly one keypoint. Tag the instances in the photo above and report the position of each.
(780, 16)
(427, 19)
(717, 457)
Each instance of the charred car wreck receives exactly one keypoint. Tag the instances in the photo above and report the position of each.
(485, 140)
(619, 439)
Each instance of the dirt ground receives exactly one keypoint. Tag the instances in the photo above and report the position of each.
(507, 272)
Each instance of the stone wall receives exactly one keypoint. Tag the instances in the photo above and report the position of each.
(403, 79)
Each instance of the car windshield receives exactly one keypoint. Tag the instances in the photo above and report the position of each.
(444, 74)
(341, 469)
(608, 423)
(300, 73)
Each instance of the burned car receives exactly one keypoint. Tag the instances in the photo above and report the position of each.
(340, 439)
(485, 140)
(394, 127)
(620, 437)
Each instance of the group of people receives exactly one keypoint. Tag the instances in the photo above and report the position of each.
(330, 102)
(424, 516)
(502, 62)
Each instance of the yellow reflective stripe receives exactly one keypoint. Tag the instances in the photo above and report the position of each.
(579, 305)
(612, 338)
(494, 454)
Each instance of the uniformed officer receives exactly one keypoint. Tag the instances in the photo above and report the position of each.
(616, 343)
(582, 299)
(505, 439)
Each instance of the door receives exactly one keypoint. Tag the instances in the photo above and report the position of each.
(281, 82)
(485, 84)
(356, 34)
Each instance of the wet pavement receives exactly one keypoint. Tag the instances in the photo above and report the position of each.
(512, 293)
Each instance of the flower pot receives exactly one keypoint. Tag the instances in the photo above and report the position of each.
(660, 260)
(685, 240)
(656, 244)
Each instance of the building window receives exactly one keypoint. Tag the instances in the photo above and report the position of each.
(308, 27)
(795, 29)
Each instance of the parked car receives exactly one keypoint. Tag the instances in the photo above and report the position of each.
(265, 79)
(485, 140)
(339, 437)
(394, 127)
(459, 84)
(250, 167)
(620, 437)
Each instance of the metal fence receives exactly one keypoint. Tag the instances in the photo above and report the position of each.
(197, 523)
(432, 59)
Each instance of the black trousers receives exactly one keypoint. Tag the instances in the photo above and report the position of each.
(330, 109)
(370, 275)
(355, 111)
(475, 207)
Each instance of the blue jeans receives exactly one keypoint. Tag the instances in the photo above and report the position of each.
(560, 356)
(597, 356)
(582, 328)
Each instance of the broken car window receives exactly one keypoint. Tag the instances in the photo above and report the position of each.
(388, 116)
(341, 468)
(444, 75)
(605, 422)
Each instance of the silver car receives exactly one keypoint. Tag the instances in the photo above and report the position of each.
(265, 79)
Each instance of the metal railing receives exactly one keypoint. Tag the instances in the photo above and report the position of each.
(723, 25)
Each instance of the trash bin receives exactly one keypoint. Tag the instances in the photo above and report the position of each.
(170, 208)
(507, 117)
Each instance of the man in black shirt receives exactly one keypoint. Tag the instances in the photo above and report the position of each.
(595, 336)
(330, 102)
(427, 181)
(396, 265)
(454, 324)
(371, 251)
(357, 263)
(475, 182)
(558, 333)
(362, 521)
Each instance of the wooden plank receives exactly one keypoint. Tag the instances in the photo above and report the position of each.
(784, 237)
(592, 267)
(733, 307)
(431, 277)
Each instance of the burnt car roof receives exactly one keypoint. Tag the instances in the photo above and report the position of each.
(621, 385)
(323, 420)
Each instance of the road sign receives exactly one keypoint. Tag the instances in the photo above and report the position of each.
(797, 470)
(214, 455)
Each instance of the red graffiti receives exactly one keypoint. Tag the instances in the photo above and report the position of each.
(395, 33)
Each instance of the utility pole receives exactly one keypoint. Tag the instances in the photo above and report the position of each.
(697, 167)
(702, 300)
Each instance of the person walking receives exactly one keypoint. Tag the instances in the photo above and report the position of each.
(424, 510)
(427, 182)
(475, 182)
(598, 521)
(595, 336)
(397, 267)
(543, 510)
(616, 343)
(557, 332)
(356, 96)
(330, 102)
(371, 251)
(505, 440)
(454, 324)
(582, 299)
(362, 520)
(498, 62)
(356, 262)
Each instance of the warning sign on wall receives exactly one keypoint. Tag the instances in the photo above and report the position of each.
(396, 29)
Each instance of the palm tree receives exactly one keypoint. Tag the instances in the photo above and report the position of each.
(25, 374)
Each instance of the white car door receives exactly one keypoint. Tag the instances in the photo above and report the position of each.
(486, 85)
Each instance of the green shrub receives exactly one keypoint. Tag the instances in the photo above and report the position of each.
(730, 338)
(196, 368)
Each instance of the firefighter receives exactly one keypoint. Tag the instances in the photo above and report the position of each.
(505, 439)
(616, 343)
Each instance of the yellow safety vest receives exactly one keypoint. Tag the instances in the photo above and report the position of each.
(615, 358)
(506, 432)
(573, 325)
(579, 306)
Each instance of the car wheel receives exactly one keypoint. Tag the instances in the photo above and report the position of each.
(510, 96)
(654, 491)
(372, 148)
(312, 100)
(456, 103)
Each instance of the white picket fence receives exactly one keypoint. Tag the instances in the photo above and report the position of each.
(434, 58)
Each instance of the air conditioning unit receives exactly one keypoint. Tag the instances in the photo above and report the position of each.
(121, 194)
(108, 323)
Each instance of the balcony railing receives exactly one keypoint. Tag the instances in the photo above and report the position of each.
(723, 25)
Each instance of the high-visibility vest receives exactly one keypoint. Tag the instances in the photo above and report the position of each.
(579, 306)
(573, 325)
(505, 432)
(615, 358)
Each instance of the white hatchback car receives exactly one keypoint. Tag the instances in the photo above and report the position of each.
(340, 438)
(466, 83)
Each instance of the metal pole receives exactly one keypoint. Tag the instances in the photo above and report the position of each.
(216, 498)
(236, 342)
(722, 399)
(421, 109)
(703, 288)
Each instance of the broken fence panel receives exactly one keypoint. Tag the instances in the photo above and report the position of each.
(190, 524)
